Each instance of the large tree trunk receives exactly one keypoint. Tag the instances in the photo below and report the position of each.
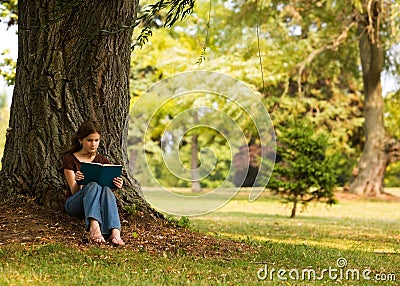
(73, 64)
(368, 176)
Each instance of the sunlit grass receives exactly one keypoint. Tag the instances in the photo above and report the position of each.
(356, 224)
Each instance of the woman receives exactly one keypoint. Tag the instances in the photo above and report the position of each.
(92, 202)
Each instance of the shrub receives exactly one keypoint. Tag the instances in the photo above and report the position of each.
(305, 171)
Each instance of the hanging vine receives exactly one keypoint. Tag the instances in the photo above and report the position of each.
(177, 10)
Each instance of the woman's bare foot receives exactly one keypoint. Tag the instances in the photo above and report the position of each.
(115, 237)
(95, 232)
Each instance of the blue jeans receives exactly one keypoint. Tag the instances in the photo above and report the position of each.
(95, 202)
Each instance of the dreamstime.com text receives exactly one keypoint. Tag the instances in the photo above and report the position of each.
(338, 273)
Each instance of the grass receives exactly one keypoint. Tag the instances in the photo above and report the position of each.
(59, 265)
(364, 232)
(348, 225)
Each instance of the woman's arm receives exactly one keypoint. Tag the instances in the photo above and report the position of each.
(71, 180)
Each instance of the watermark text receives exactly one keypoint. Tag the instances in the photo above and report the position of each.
(339, 272)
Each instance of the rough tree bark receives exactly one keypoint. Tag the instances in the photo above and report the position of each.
(369, 174)
(73, 65)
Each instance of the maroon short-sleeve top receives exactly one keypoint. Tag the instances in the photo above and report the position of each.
(70, 162)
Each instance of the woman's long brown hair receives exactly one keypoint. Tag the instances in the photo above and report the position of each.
(87, 127)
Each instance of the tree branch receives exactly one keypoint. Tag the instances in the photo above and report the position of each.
(333, 46)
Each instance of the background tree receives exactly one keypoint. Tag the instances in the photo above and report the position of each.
(306, 172)
(376, 23)
(392, 121)
(4, 116)
(159, 138)
(7, 68)
(289, 33)
(372, 16)
(8, 14)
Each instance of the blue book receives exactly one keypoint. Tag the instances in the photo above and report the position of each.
(103, 174)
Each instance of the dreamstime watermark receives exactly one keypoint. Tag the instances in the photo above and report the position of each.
(338, 273)
(202, 102)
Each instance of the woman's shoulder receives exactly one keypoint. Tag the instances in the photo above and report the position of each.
(69, 157)
(101, 159)
(70, 162)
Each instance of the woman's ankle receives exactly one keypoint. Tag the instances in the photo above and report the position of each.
(94, 225)
(115, 232)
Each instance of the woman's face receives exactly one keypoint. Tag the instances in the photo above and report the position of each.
(90, 143)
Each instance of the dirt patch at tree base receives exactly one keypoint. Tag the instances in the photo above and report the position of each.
(30, 224)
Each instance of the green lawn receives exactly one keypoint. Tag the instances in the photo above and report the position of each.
(369, 225)
(307, 250)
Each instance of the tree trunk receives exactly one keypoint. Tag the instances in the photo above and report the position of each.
(369, 174)
(294, 209)
(196, 187)
(132, 160)
(73, 64)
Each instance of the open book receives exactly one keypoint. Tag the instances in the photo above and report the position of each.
(103, 174)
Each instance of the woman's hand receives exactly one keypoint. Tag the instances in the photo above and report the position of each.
(79, 176)
(118, 182)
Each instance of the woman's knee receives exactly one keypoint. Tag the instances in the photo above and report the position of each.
(92, 185)
(74, 207)
(108, 193)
